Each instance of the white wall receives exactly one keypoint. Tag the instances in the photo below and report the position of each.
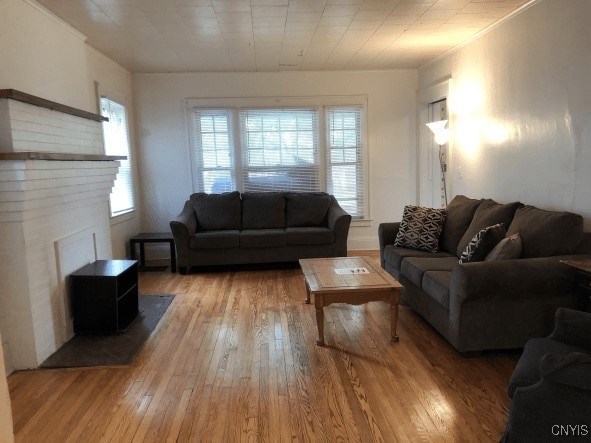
(162, 133)
(42, 56)
(520, 106)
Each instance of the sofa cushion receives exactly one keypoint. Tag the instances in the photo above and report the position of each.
(263, 210)
(215, 239)
(508, 248)
(413, 268)
(436, 285)
(420, 228)
(488, 213)
(306, 209)
(262, 238)
(309, 236)
(460, 212)
(482, 243)
(394, 255)
(546, 233)
(217, 211)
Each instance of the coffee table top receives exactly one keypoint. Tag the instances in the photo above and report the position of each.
(344, 274)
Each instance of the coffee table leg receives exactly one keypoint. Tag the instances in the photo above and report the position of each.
(394, 318)
(307, 294)
(320, 324)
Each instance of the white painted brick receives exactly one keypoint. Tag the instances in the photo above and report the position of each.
(51, 200)
(25, 127)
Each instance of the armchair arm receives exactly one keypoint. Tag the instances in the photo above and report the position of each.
(572, 327)
(338, 221)
(562, 397)
(573, 369)
(511, 279)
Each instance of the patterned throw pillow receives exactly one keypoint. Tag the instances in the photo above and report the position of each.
(420, 228)
(482, 243)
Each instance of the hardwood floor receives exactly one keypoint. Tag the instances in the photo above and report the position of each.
(235, 359)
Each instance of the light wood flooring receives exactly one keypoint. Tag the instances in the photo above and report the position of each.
(235, 359)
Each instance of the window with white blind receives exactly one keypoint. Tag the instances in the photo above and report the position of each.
(254, 149)
(279, 150)
(214, 151)
(116, 137)
(344, 161)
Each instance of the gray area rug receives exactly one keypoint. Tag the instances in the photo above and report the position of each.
(115, 349)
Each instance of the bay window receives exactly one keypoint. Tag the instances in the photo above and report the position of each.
(284, 148)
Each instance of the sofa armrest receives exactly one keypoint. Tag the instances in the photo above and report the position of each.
(387, 233)
(339, 221)
(183, 227)
(512, 279)
(572, 327)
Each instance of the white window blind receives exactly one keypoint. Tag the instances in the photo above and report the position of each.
(279, 149)
(345, 158)
(116, 137)
(299, 148)
(213, 159)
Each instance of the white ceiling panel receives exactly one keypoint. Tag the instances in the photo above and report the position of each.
(276, 35)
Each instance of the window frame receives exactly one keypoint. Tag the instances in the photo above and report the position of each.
(129, 160)
(235, 105)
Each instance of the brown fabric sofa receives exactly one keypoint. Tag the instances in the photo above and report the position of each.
(497, 304)
(264, 227)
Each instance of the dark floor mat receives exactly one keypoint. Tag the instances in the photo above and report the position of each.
(115, 349)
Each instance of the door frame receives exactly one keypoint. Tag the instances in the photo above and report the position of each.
(424, 156)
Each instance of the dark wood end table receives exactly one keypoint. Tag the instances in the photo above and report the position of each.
(153, 237)
(583, 267)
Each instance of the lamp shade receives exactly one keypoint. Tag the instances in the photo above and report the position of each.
(440, 132)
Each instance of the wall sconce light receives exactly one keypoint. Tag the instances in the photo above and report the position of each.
(441, 135)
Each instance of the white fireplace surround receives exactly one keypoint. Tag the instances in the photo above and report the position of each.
(54, 218)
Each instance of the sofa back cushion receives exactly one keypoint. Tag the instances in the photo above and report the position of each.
(546, 233)
(460, 212)
(306, 209)
(217, 211)
(263, 210)
(488, 213)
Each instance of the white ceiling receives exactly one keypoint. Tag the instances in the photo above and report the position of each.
(277, 35)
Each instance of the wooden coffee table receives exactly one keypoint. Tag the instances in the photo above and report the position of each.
(352, 280)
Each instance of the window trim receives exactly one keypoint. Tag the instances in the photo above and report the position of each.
(129, 156)
(235, 104)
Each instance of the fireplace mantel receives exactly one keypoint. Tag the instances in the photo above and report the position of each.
(54, 106)
(57, 156)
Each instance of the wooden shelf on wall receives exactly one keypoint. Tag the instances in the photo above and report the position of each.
(58, 156)
(38, 101)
